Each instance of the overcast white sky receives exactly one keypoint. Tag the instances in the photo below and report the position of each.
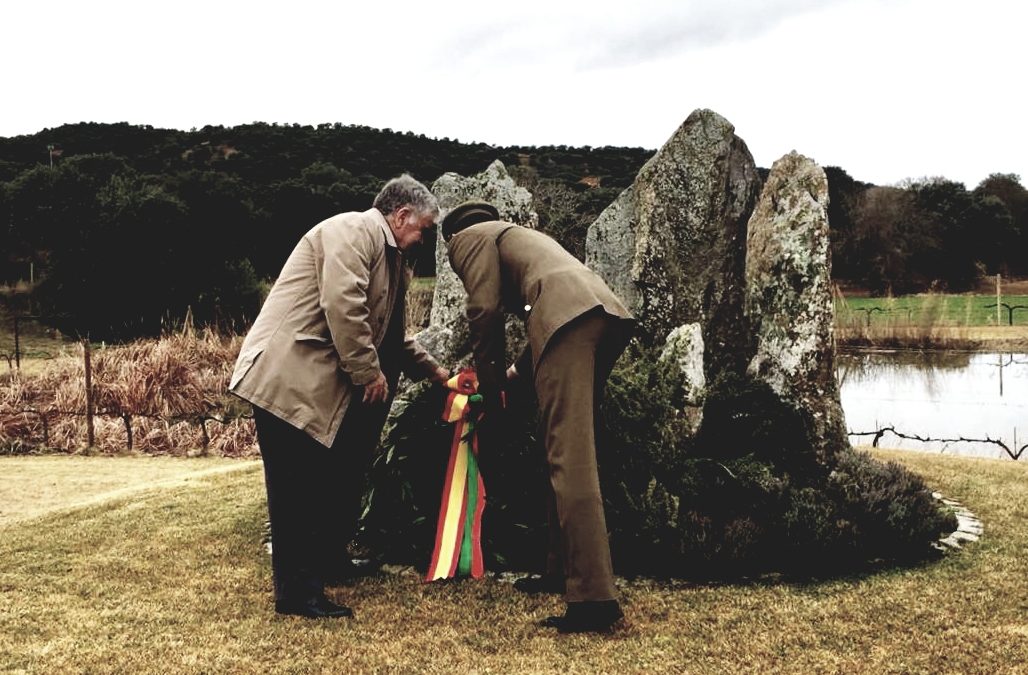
(886, 89)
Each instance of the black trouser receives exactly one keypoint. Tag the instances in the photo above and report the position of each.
(314, 495)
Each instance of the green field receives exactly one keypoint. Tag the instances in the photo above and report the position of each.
(933, 309)
(175, 580)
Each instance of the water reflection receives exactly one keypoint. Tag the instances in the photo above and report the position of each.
(937, 395)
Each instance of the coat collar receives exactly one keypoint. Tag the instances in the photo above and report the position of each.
(377, 216)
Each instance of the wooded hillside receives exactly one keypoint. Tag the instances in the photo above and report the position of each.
(124, 227)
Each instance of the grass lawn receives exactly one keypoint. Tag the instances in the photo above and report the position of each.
(33, 486)
(174, 580)
(954, 310)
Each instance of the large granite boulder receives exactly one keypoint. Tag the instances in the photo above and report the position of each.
(447, 334)
(789, 297)
(715, 278)
(672, 245)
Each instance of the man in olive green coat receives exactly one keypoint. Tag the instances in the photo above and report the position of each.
(576, 330)
(319, 365)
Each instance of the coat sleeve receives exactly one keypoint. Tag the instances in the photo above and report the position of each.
(417, 363)
(523, 364)
(476, 261)
(350, 251)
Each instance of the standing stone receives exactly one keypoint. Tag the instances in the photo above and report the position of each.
(789, 297)
(683, 352)
(447, 334)
(672, 245)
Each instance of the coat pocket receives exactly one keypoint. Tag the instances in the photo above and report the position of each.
(308, 337)
(243, 365)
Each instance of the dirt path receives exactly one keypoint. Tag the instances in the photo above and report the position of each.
(31, 487)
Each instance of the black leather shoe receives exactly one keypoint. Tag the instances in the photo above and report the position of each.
(313, 608)
(547, 583)
(591, 616)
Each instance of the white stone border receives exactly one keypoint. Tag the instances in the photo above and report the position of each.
(969, 527)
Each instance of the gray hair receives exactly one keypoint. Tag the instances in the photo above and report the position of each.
(405, 191)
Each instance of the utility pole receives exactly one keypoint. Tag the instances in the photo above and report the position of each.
(50, 151)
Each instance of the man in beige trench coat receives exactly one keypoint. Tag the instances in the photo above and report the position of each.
(576, 330)
(319, 366)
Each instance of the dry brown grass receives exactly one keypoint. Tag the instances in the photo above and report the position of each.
(964, 338)
(998, 338)
(418, 306)
(987, 286)
(175, 581)
(166, 386)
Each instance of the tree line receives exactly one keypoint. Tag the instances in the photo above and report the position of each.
(130, 227)
(127, 228)
(930, 233)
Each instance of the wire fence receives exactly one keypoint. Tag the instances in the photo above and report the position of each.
(40, 436)
(166, 398)
(1013, 451)
(18, 349)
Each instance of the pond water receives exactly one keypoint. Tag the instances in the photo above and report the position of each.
(944, 396)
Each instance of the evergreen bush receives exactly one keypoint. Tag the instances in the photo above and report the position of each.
(744, 496)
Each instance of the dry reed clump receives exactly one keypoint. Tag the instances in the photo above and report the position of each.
(173, 438)
(159, 392)
(418, 307)
(891, 326)
(236, 438)
(17, 430)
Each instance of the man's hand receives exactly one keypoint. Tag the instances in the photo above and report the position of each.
(377, 390)
(441, 375)
(512, 372)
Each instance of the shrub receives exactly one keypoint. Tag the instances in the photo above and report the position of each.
(404, 493)
(744, 496)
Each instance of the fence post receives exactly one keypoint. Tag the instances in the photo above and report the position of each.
(998, 298)
(17, 344)
(128, 429)
(90, 436)
(46, 429)
(206, 436)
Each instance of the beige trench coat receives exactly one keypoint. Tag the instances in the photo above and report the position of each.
(317, 337)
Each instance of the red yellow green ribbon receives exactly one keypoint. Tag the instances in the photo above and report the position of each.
(458, 538)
